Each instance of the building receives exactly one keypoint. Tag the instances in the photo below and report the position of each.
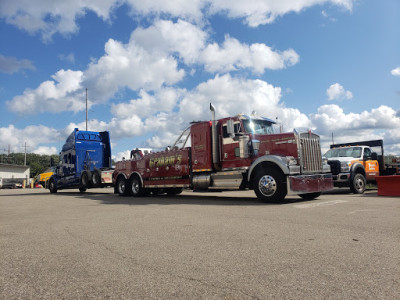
(11, 174)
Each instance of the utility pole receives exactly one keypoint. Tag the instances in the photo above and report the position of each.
(86, 109)
(25, 155)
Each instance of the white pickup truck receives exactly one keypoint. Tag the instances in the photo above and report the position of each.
(353, 165)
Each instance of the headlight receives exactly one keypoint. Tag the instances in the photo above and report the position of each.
(324, 160)
(345, 166)
(291, 161)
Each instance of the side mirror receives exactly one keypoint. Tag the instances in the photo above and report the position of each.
(374, 156)
(230, 128)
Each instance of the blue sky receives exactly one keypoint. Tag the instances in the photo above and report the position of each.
(152, 67)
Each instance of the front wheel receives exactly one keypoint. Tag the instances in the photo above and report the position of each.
(358, 184)
(52, 186)
(269, 185)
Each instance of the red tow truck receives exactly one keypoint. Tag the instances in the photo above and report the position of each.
(240, 152)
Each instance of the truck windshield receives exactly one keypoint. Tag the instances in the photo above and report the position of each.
(344, 152)
(258, 126)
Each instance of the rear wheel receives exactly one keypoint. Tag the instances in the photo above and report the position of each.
(269, 185)
(52, 186)
(358, 184)
(136, 187)
(96, 178)
(122, 186)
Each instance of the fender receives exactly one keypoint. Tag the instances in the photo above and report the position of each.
(356, 166)
(138, 174)
(279, 161)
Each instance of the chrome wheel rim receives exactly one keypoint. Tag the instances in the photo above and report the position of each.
(267, 185)
(359, 184)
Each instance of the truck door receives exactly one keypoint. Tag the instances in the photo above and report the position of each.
(230, 146)
(371, 166)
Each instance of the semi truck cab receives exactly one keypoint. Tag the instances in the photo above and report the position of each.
(85, 162)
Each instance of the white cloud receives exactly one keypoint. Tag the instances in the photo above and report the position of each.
(234, 55)
(131, 66)
(64, 92)
(167, 37)
(156, 51)
(69, 58)
(337, 92)
(331, 118)
(50, 17)
(33, 136)
(396, 72)
(44, 150)
(260, 12)
(11, 65)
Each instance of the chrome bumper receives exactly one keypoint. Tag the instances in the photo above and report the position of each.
(304, 184)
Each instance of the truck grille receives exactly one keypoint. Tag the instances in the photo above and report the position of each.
(309, 153)
(335, 166)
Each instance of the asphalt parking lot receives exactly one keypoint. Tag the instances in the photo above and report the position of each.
(197, 246)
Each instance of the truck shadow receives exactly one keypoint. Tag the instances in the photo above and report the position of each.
(106, 196)
(195, 199)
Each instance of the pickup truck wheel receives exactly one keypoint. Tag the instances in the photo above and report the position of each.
(122, 187)
(52, 186)
(96, 179)
(269, 185)
(358, 184)
(310, 196)
(136, 187)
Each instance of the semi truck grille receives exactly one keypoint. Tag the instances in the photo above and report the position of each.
(309, 153)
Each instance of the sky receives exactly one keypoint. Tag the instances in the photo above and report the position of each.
(151, 67)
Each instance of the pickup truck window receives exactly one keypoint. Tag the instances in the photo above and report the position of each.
(344, 152)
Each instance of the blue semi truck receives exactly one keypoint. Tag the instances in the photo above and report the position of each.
(85, 162)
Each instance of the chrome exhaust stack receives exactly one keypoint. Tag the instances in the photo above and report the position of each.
(214, 138)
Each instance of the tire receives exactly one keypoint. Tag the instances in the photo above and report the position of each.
(269, 185)
(122, 186)
(96, 179)
(310, 196)
(82, 189)
(52, 186)
(358, 184)
(84, 181)
(136, 187)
